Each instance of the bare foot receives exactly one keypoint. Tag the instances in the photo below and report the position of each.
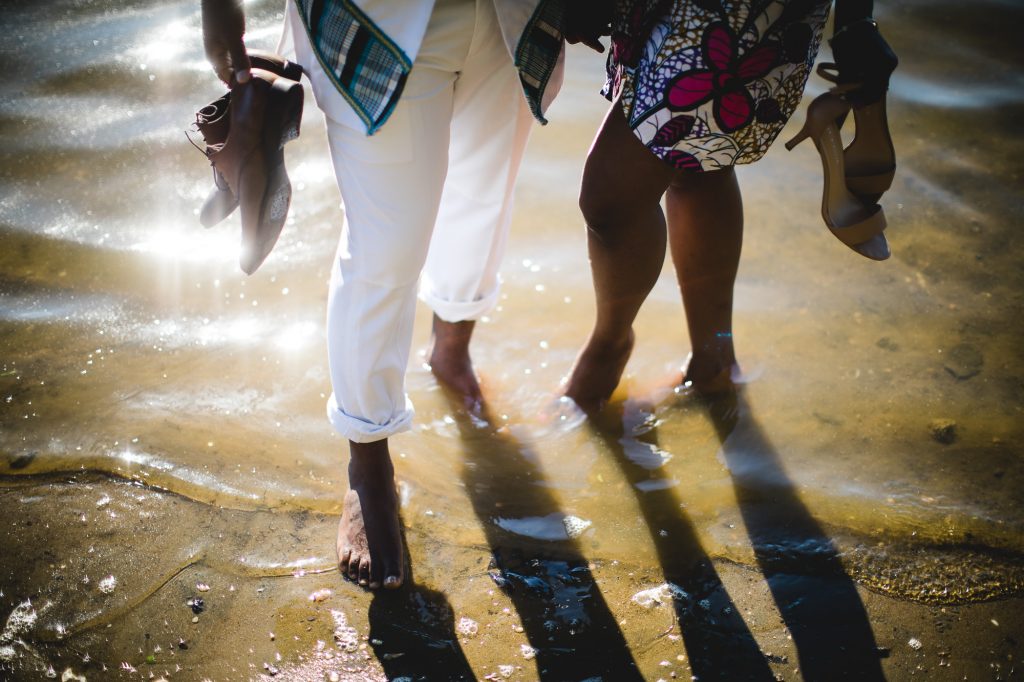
(369, 543)
(710, 375)
(597, 371)
(450, 362)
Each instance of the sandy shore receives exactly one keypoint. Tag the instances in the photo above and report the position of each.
(169, 487)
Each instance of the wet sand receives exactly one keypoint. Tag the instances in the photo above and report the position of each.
(856, 513)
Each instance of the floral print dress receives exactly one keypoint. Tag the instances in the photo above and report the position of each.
(707, 84)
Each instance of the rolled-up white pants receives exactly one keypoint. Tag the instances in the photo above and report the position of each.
(430, 192)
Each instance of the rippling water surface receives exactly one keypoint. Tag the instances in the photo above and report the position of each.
(162, 419)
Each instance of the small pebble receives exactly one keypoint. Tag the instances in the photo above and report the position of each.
(964, 361)
(943, 430)
(195, 619)
(467, 627)
(915, 644)
(321, 595)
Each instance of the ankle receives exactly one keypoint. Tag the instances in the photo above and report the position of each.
(709, 364)
(451, 338)
(369, 463)
(613, 341)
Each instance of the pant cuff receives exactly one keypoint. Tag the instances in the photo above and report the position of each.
(459, 311)
(362, 431)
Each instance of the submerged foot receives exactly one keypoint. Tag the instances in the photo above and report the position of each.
(450, 362)
(369, 544)
(597, 371)
(710, 375)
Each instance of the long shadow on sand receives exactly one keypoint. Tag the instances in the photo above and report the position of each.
(564, 615)
(717, 641)
(818, 601)
(412, 632)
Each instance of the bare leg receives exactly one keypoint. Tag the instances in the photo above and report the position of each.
(369, 538)
(705, 227)
(450, 361)
(622, 187)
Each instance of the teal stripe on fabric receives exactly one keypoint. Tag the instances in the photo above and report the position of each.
(342, 33)
(538, 50)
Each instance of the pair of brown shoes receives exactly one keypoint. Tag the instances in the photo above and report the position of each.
(245, 131)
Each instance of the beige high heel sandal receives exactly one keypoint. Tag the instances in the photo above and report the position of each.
(856, 223)
(870, 160)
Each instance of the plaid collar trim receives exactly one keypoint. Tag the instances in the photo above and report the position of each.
(370, 70)
(366, 66)
(538, 50)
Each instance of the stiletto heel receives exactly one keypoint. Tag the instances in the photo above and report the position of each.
(804, 133)
(857, 224)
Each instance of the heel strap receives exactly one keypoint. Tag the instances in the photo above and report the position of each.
(830, 72)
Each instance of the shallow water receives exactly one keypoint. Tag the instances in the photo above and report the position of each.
(161, 414)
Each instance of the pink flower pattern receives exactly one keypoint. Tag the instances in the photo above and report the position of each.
(707, 84)
(725, 78)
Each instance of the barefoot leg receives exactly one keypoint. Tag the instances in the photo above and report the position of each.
(369, 538)
(450, 361)
(622, 186)
(705, 227)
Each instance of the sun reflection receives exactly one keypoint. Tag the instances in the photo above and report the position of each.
(295, 336)
(243, 330)
(183, 243)
(164, 45)
(310, 172)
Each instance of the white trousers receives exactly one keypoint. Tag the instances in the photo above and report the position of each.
(430, 192)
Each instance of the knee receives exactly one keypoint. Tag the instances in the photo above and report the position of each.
(605, 210)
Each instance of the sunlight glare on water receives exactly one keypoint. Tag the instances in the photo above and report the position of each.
(876, 435)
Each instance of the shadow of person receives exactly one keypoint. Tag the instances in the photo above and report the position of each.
(717, 641)
(534, 560)
(817, 599)
(412, 633)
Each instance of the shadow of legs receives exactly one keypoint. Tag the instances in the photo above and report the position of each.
(817, 599)
(564, 614)
(718, 643)
(412, 632)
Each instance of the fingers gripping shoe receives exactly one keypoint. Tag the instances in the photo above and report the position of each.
(264, 114)
(213, 122)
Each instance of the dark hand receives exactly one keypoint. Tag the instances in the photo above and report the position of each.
(223, 27)
(863, 56)
(587, 20)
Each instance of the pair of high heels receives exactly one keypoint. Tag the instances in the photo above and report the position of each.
(245, 131)
(855, 177)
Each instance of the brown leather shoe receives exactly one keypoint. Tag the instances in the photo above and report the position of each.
(264, 114)
(213, 122)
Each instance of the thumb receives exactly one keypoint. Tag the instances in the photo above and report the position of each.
(240, 62)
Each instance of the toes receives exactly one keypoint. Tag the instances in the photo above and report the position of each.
(393, 578)
(353, 568)
(375, 575)
(364, 572)
(343, 559)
